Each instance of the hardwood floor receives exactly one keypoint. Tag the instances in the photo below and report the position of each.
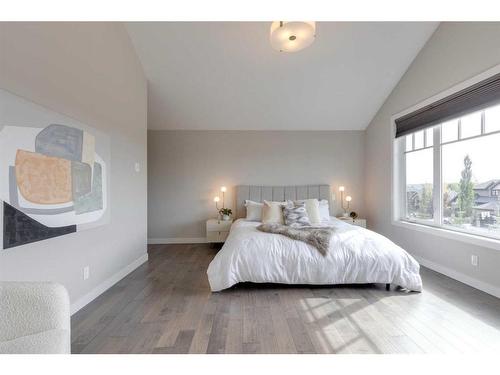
(165, 306)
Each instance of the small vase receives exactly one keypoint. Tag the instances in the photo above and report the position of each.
(225, 217)
(345, 214)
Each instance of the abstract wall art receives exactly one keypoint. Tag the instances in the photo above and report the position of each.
(54, 173)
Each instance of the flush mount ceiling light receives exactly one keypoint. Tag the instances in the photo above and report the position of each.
(292, 36)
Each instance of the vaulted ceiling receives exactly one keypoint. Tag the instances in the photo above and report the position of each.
(225, 75)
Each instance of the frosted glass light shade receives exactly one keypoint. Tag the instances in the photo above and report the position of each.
(348, 198)
(292, 36)
(341, 188)
(216, 199)
(223, 189)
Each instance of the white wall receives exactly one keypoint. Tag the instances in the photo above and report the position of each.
(456, 52)
(185, 169)
(88, 71)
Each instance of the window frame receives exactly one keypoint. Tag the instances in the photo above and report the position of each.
(435, 189)
(398, 174)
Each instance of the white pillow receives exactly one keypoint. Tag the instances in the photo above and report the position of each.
(272, 213)
(254, 210)
(312, 208)
(324, 210)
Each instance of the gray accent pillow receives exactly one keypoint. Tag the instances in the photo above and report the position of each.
(295, 214)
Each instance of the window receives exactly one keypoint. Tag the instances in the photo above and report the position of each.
(492, 119)
(448, 175)
(449, 131)
(419, 177)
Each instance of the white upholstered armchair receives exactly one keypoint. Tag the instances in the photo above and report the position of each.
(34, 318)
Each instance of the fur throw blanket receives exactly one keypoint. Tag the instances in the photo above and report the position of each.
(319, 237)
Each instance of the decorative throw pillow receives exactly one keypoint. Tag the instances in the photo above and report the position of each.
(272, 212)
(324, 210)
(312, 208)
(295, 214)
(254, 210)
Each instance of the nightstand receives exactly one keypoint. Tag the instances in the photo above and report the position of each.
(357, 222)
(218, 230)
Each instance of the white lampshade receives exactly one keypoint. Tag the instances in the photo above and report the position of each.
(341, 188)
(223, 189)
(348, 198)
(292, 36)
(216, 199)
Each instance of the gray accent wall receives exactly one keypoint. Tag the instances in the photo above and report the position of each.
(456, 52)
(88, 71)
(186, 169)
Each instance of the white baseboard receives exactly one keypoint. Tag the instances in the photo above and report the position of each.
(174, 240)
(108, 283)
(475, 283)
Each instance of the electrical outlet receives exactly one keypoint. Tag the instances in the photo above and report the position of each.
(86, 272)
(474, 259)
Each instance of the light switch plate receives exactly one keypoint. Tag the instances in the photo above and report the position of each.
(137, 167)
(86, 272)
(474, 260)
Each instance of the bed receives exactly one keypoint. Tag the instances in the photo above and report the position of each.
(356, 255)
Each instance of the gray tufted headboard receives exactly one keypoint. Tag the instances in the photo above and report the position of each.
(278, 194)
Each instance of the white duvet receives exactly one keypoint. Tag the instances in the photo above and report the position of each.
(356, 256)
